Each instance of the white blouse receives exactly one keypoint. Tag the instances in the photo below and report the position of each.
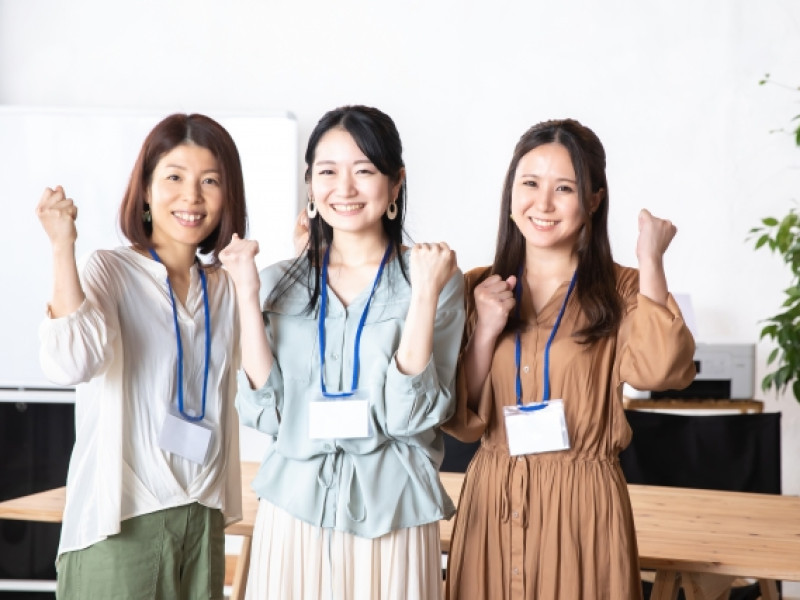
(120, 349)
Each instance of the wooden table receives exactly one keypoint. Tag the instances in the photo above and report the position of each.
(698, 539)
(702, 540)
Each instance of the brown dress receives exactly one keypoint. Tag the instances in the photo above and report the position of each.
(558, 525)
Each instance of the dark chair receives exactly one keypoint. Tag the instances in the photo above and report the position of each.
(737, 452)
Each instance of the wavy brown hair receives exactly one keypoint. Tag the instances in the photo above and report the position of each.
(595, 289)
(198, 130)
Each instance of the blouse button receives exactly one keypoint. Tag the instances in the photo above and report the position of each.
(515, 514)
(515, 570)
(335, 356)
(525, 369)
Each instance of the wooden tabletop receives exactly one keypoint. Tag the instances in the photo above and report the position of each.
(677, 529)
(731, 533)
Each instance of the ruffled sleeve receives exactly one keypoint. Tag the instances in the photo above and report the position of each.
(79, 346)
(415, 404)
(655, 347)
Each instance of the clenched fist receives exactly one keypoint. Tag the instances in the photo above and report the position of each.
(239, 258)
(431, 266)
(494, 301)
(57, 214)
(655, 236)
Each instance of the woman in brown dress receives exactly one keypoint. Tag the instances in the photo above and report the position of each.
(554, 328)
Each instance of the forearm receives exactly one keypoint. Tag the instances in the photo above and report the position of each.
(476, 362)
(416, 342)
(653, 280)
(68, 294)
(257, 357)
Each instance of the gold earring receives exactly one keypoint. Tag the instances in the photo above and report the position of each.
(391, 211)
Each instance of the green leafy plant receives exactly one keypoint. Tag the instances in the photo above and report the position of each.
(782, 236)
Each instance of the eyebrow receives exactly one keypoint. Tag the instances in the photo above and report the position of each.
(360, 161)
(557, 179)
(183, 168)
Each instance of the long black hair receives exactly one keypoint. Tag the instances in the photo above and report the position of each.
(596, 289)
(377, 137)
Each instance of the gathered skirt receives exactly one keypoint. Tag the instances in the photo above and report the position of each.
(293, 560)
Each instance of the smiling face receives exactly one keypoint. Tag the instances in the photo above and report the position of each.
(185, 196)
(350, 193)
(545, 202)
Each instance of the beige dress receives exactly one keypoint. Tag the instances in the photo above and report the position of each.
(559, 526)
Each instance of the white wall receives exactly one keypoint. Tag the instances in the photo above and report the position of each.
(671, 88)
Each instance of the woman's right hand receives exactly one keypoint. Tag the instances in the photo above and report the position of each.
(494, 301)
(239, 258)
(57, 214)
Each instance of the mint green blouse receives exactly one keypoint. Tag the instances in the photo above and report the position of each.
(366, 486)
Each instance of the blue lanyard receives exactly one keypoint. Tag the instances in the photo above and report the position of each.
(180, 345)
(321, 325)
(518, 350)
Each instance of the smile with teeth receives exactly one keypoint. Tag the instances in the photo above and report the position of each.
(188, 217)
(542, 222)
(347, 207)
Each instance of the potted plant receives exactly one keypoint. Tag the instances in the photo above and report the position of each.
(781, 235)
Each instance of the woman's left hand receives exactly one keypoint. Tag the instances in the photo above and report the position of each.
(431, 266)
(655, 236)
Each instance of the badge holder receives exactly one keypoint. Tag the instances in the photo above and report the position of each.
(188, 439)
(342, 417)
(541, 428)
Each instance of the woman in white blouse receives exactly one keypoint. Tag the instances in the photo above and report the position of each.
(148, 333)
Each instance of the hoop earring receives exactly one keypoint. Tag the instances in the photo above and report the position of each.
(391, 211)
(311, 209)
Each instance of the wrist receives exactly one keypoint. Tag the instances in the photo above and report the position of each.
(484, 337)
(62, 248)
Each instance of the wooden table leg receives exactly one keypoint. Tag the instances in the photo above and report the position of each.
(665, 586)
(769, 589)
(242, 567)
(706, 586)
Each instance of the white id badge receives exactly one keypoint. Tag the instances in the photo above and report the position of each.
(188, 439)
(535, 431)
(346, 417)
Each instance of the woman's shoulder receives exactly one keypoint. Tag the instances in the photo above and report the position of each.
(122, 258)
(292, 276)
(627, 279)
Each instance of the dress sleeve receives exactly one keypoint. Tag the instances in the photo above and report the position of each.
(466, 424)
(79, 346)
(415, 404)
(655, 347)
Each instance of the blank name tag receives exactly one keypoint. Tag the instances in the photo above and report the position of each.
(339, 418)
(535, 431)
(185, 438)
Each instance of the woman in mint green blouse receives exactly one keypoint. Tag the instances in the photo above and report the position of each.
(349, 357)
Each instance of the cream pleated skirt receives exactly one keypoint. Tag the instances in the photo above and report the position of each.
(292, 560)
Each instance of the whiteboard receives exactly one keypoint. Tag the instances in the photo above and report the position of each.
(91, 153)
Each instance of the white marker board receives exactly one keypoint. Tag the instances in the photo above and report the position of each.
(91, 153)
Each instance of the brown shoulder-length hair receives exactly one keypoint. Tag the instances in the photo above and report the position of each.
(595, 289)
(198, 130)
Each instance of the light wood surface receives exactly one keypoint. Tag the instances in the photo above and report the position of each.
(700, 539)
(721, 404)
